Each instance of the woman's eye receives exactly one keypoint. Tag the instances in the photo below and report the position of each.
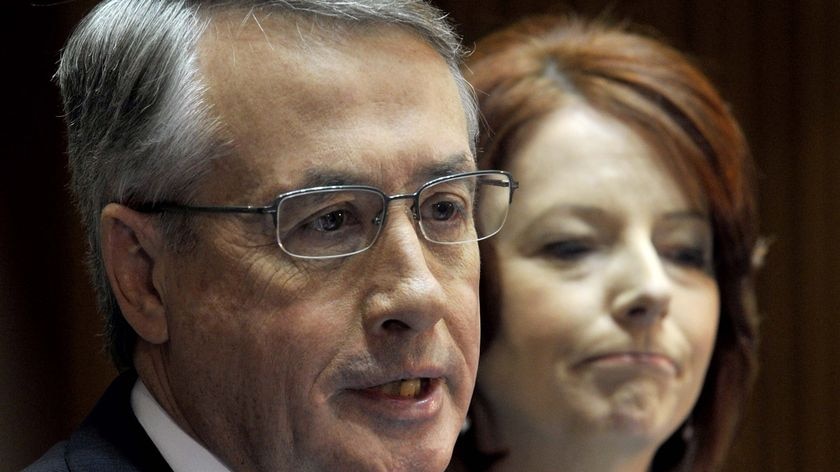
(567, 250)
(690, 257)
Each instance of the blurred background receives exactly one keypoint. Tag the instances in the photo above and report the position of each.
(777, 63)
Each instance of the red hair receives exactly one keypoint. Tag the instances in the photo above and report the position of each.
(530, 69)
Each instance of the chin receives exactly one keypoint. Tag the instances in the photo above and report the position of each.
(642, 414)
(417, 460)
(643, 428)
(407, 450)
(634, 423)
(431, 455)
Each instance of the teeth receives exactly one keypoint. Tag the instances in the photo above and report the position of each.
(410, 388)
(407, 388)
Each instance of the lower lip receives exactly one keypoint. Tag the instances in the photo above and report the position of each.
(653, 362)
(400, 409)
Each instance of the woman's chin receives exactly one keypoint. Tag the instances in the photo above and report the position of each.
(639, 412)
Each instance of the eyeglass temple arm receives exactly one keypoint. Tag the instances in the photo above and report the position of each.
(164, 207)
(502, 183)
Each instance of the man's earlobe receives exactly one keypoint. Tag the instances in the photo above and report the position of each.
(131, 248)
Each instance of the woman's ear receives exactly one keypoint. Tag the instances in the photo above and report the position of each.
(131, 246)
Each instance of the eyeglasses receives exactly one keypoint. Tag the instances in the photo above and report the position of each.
(342, 220)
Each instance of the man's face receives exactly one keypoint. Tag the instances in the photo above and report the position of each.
(279, 363)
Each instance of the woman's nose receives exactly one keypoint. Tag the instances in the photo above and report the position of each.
(641, 288)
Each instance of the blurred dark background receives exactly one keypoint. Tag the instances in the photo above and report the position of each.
(777, 63)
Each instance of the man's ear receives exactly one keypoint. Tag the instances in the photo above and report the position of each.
(131, 246)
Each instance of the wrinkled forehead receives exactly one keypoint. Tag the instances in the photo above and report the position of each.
(291, 94)
(280, 28)
(308, 65)
(294, 48)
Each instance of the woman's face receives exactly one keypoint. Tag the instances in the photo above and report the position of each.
(609, 306)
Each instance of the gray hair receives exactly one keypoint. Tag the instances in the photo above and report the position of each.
(139, 128)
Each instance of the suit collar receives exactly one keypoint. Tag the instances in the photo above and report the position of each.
(111, 438)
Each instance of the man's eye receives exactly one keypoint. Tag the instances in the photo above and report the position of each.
(442, 211)
(331, 221)
(569, 250)
(444, 208)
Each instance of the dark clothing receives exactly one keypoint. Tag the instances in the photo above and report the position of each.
(110, 439)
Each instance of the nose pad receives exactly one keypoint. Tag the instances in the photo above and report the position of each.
(411, 210)
(414, 212)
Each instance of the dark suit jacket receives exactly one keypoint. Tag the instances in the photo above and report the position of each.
(110, 439)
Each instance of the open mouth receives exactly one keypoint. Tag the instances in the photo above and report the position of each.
(405, 400)
(405, 388)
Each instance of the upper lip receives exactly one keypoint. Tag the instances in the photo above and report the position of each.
(367, 379)
(367, 371)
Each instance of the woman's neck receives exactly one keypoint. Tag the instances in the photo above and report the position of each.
(540, 451)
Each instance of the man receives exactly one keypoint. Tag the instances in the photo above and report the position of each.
(271, 308)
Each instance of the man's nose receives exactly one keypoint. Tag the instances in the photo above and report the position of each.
(406, 293)
(640, 286)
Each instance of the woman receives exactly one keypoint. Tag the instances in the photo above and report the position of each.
(619, 329)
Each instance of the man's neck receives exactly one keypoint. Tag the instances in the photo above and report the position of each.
(179, 449)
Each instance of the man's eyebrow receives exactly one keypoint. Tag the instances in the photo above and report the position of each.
(329, 177)
(456, 163)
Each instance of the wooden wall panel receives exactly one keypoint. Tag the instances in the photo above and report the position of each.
(52, 364)
(818, 139)
(776, 62)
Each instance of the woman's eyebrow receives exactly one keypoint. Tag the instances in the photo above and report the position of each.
(584, 211)
(686, 215)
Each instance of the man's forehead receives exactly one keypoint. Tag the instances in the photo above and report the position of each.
(287, 32)
(378, 106)
(276, 28)
(281, 61)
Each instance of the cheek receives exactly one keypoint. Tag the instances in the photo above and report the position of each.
(247, 322)
(466, 328)
(542, 312)
(459, 279)
(544, 321)
(697, 312)
(257, 364)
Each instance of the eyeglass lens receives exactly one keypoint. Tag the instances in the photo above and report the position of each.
(335, 222)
